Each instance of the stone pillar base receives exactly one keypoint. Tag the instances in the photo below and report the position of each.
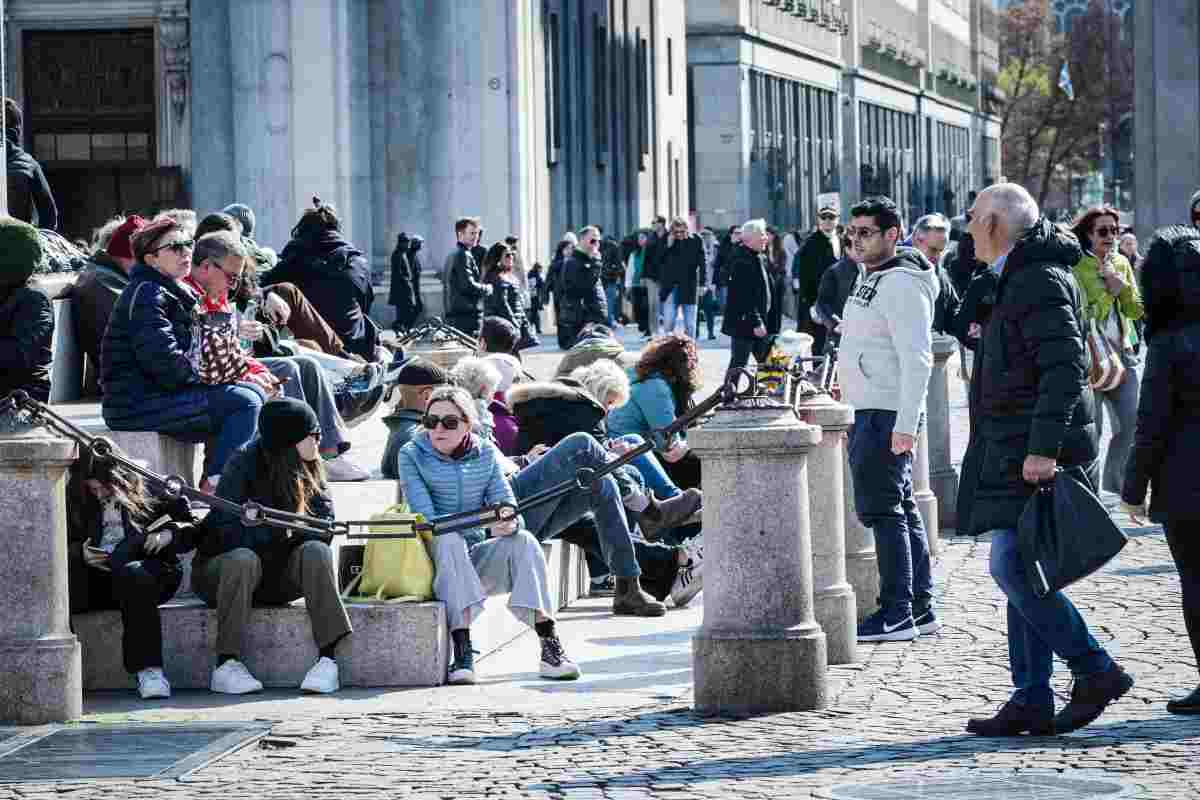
(862, 572)
(834, 610)
(945, 488)
(775, 672)
(43, 680)
(927, 505)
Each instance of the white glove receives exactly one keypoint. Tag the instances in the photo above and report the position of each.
(276, 309)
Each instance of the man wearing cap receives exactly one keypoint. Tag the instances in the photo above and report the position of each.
(415, 383)
(26, 315)
(820, 251)
(95, 294)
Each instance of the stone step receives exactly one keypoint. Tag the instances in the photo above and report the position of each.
(160, 453)
(394, 644)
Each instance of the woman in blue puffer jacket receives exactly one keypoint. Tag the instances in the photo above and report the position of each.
(149, 357)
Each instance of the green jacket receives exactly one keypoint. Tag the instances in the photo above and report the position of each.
(1098, 303)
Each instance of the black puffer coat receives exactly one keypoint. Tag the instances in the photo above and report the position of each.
(1168, 425)
(29, 195)
(548, 412)
(401, 290)
(506, 301)
(336, 278)
(683, 269)
(466, 291)
(26, 330)
(749, 298)
(580, 297)
(1029, 388)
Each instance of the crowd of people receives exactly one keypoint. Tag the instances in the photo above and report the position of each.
(193, 329)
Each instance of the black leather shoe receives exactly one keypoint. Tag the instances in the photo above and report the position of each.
(1013, 719)
(1089, 697)
(1186, 705)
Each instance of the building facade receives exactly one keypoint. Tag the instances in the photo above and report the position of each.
(799, 102)
(538, 116)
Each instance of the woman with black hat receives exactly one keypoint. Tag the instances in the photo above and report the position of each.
(237, 564)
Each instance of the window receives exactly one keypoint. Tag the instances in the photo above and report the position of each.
(600, 85)
(670, 66)
(553, 89)
(643, 100)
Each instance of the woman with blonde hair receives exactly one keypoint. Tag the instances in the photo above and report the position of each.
(480, 380)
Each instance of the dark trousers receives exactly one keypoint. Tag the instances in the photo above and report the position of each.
(744, 347)
(467, 323)
(136, 588)
(883, 498)
(686, 472)
(709, 307)
(641, 308)
(659, 562)
(1183, 537)
(304, 321)
(535, 315)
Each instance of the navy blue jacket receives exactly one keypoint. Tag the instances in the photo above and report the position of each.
(26, 329)
(146, 376)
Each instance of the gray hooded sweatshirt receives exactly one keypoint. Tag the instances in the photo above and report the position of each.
(886, 353)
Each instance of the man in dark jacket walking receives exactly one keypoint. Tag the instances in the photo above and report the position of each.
(582, 293)
(682, 266)
(820, 251)
(416, 265)
(749, 299)
(465, 290)
(652, 272)
(29, 196)
(401, 289)
(1033, 414)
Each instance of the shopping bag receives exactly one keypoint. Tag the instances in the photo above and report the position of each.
(1065, 533)
(396, 569)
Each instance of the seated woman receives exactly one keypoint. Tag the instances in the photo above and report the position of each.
(149, 358)
(447, 469)
(238, 564)
(663, 381)
(506, 425)
(123, 550)
(480, 380)
(26, 315)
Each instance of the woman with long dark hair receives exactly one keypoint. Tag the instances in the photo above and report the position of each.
(1113, 303)
(1168, 421)
(662, 383)
(506, 300)
(123, 548)
(237, 563)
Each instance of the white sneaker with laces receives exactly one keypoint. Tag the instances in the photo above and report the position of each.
(694, 548)
(343, 470)
(688, 583)
(152, 683)
(322, 678)
(232, 677)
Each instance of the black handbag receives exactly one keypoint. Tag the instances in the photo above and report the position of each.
(1065, 533)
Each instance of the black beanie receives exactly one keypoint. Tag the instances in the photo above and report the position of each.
(285, 422)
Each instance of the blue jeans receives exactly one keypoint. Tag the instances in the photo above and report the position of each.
(547, 521)
(1039, 628)
(655, 477)
(883, 497)
(612, 292)
(669, 313)
(233, 412)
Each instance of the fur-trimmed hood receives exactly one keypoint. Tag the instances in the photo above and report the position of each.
(566, 390)
(549, 411)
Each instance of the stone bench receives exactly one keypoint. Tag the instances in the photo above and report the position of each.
(161, 453)
(394, 644)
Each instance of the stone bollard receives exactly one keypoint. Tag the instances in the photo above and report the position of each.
(446, 357)
(943, 478)
(862, 563)
(833, 597)
(39, 655)
(927, 504)
(759, 648)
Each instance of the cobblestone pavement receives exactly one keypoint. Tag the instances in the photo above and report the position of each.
(896, 715)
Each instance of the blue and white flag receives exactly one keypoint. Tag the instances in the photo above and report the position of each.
(1064, 82)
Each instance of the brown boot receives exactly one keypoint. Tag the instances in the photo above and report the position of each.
(632, 601)
(673, 512)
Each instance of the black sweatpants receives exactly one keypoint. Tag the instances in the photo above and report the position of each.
(136, 588)
(659, 562)
(1183, 537)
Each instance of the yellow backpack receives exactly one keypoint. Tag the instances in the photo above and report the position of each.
(396, 570)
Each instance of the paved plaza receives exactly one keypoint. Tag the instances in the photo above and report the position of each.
(626, 730)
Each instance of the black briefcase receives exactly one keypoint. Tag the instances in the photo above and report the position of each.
(1065, 533)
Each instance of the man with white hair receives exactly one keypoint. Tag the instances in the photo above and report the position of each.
(749, 297)
(930, 236)
(1033, 413)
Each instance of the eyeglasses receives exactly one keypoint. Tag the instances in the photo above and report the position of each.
(862, 234)
(179, 248)
(450, 422)
(1104, 230)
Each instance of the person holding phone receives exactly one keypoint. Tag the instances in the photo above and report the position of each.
(123, 549)
(447, 469)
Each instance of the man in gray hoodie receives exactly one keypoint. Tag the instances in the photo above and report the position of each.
(884, 363)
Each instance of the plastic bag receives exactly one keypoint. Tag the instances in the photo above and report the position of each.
(1065, 533)
(398, 570)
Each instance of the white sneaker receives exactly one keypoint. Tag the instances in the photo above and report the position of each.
(343, 470)
(152, 683)
(554, 663)
(688, 584)
(232, 677)
(322, 678)
(694, 548)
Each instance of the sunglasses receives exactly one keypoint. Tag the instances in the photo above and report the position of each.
(1104, 230)
(449, 422)
(179, 248)
(827, 217)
